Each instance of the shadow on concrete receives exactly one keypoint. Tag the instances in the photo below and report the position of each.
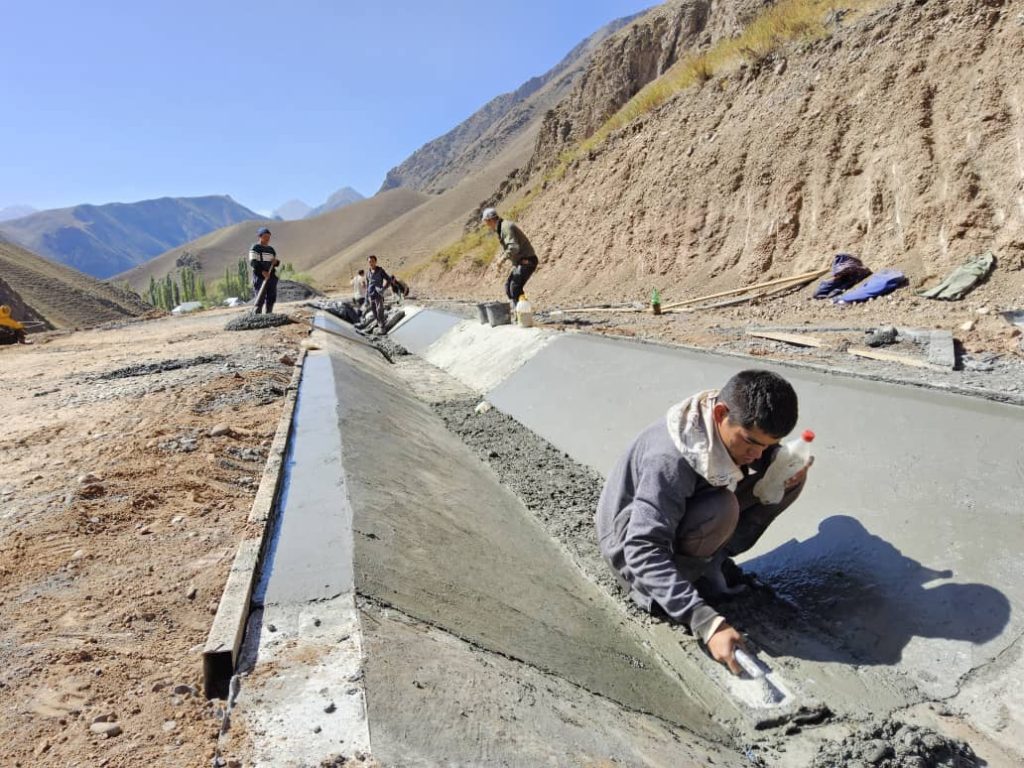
(861, 599)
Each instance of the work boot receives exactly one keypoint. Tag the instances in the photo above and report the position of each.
(724, 580)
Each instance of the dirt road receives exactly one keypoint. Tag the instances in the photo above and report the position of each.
(131, 456)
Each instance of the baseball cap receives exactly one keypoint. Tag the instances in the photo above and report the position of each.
(488, 214)
(262, 231)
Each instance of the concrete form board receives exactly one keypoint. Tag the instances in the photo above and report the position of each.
(906, 541)
(426, 326)
(439, 541)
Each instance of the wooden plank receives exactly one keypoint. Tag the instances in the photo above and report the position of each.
(892, 357)
(799, 339)
(805, 277)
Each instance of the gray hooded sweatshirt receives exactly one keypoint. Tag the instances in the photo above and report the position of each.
(643, 504)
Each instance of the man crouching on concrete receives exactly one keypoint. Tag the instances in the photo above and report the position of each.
(680, 501)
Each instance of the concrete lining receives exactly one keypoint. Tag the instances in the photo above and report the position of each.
(903, 551)
(301, 698)
(423, 328)
(440, 542)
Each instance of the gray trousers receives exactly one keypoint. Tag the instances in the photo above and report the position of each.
(721, 523)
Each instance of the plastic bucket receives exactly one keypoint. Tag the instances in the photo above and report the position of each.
(481, 310)
(499, 313)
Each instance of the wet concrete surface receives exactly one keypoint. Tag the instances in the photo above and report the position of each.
(428, 328)
(300, 567)
(896, 574)
(440, 542)
(300, 697)
(905, 539)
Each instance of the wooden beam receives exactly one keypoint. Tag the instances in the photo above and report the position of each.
(893, 357)
(805, 277)
(799, 339)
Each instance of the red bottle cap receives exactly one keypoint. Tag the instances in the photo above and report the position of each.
(808, 435)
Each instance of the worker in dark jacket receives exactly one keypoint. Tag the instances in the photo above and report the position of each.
(516, 249)
(376, 281)
(680, 502)
(263, 260)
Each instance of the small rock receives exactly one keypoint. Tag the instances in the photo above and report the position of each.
(184, 690)
(177, 519)
(89, 478)
(271, 628)
(983, 311)
(221, 430)
(169, 725)
(780, 67)
(317, 729)
(287, 360)
(157, 687)
(106, 717)
(145, 530)
(192, 592)
(79, 554)
(968, 326)
(483, 407)
(91, 490)
(330, 708)
(234, 763)
(110, 730)
(41, 748)
(876, 751)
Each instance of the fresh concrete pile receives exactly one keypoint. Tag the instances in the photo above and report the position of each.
(897, 745)
(248, 321)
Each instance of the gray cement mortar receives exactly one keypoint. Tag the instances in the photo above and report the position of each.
(247, 321)
(893, 744)
(563, 495)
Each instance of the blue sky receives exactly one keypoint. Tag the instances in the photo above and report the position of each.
(121, 101)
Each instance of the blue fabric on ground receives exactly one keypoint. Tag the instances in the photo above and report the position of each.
(879, 284)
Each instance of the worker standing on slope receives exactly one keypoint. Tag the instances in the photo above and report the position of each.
(376, 281)
(359, 288)
(517, 249)
(680, 502)
(263, 260)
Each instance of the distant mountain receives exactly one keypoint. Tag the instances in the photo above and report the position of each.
(341, 198)
(104, 240)
(15, 212)
(293, 210)
(490, 131)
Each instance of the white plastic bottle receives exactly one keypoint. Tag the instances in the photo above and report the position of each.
(792, 456)
(524, 311)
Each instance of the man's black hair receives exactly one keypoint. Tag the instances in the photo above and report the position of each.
(761, 399)
(360, 271)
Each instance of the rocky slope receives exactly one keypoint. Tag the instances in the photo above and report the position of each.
(59, 295)
(630, 59)
(474, 143)
(896, 138)
(102, 240)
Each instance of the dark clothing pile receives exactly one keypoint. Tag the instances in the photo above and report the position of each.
(847, 271)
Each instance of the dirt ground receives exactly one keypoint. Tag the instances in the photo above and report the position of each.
(989, 348)
(119, 517)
